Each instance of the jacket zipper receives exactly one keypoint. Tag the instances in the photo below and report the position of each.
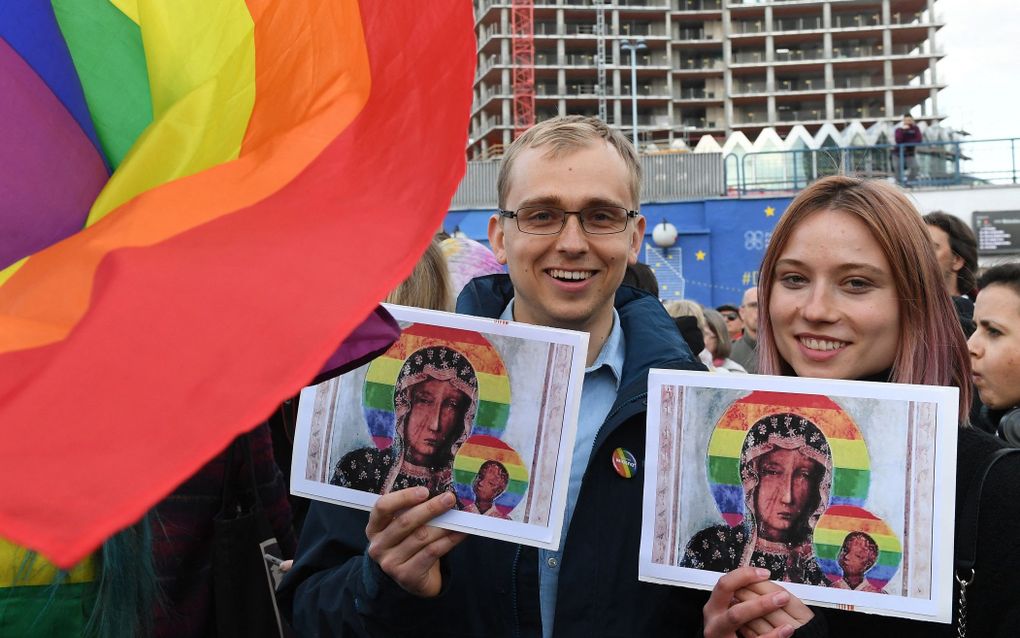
(513, 593)
(517, 555)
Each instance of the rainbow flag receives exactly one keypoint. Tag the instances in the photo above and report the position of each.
(493, 383)
(832, 529)
(851, 471)
(477, 450)
(198, 201)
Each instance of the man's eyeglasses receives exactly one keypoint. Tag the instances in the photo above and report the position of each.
(729, 316)
(547, 220)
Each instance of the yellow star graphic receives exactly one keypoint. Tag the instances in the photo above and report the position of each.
(770, 212)
(700, 255)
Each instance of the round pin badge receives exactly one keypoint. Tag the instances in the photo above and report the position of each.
(624, 463)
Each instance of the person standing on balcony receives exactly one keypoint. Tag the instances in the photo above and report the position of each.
(907, 135)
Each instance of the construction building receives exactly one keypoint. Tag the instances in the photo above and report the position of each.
(702, 66)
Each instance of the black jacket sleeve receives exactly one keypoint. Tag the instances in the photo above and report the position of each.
(335, 589)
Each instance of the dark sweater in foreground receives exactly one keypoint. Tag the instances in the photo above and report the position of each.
(993, 599)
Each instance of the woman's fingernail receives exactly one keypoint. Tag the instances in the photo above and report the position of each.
(763, 573)
(449, 499)
(781, 598)
(421, 492)
(786, 631)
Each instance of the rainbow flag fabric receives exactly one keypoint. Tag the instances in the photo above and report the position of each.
(198, 202)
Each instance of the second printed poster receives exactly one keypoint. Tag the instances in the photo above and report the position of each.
(842, 490)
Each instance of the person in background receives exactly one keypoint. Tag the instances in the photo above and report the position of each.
(734, 326)
(717, 342)
(995, 350)
(956, 251)
(745, 349)
(907, 134)
(851, 290)
(642, 277)
(183, 540)
(690, 320)
(109, 594)
(428, 286)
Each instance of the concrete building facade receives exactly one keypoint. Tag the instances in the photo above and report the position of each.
(711, 67)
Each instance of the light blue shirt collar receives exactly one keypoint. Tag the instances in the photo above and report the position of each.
(601, 384)
(612, 354)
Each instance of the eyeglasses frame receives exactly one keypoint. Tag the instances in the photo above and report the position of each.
(512, 214)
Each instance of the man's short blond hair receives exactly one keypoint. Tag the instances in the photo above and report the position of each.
(563, 135)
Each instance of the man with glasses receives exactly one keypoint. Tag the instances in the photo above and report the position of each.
(567, 228)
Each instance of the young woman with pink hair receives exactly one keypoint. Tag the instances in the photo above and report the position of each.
(850, 289)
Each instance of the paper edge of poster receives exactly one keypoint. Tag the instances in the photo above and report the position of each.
(531, 534)
(937, 608)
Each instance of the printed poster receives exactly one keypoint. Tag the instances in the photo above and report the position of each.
(844, 490)
(486, 409)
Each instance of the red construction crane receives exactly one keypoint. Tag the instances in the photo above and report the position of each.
(523, 42)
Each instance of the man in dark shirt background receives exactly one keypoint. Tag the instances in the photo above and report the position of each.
(907, 134)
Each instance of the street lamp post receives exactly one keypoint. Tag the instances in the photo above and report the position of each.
(633, 47)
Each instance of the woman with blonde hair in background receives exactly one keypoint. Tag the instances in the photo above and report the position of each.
(428, 285)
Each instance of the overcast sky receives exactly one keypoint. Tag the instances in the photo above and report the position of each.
(982, 66)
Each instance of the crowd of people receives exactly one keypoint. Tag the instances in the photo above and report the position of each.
(854, 284)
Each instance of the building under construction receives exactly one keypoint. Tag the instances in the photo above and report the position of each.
(702, 66)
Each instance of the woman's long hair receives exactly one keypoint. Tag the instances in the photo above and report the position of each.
(932, 349)
(428, 285)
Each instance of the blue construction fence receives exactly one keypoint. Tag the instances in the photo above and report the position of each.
(717, 253)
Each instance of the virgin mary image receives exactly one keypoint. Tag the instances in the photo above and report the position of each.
(786, 475)
(435, 398)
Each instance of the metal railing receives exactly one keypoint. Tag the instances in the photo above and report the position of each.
(857, 20)
(813, 23)
(932, 164)
(697, 64)
(694, 93)
(667, 177)
(697, 5)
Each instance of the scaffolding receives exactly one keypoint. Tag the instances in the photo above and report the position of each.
(523, 21)
(600, 56)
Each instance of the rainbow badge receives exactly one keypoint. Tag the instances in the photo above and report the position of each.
(624, 463)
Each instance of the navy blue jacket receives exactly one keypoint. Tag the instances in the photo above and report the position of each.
(490, 588)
